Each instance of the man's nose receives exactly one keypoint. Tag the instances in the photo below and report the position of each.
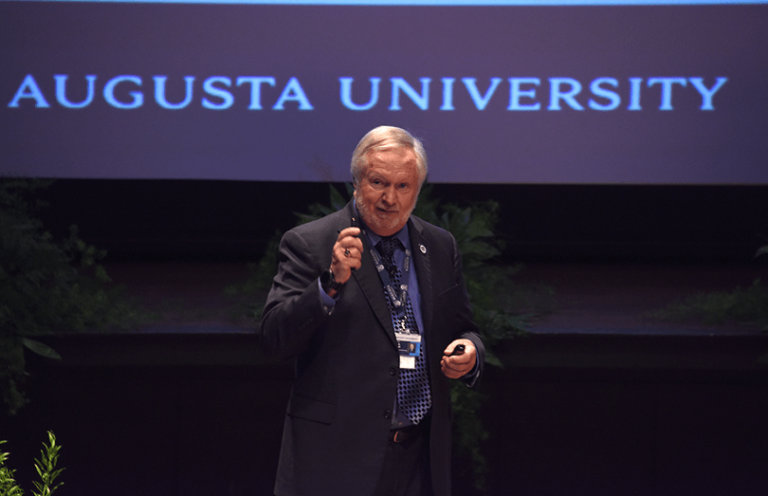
(389, 196)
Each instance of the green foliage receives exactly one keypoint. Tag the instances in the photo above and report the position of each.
(252, 295)
(45, 286)
(746, 306)
(492, 291)
(764, 321)
(469, 432)
(8, 485)
(45, 467)
(318, 210)
(490, 285)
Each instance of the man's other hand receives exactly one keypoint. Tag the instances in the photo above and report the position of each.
(455, 366)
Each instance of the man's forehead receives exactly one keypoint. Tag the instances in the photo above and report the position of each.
(409, 176)
(394, 161)
(392, 169)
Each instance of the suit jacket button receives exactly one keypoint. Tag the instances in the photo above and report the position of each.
(392, 371)
(387, 414)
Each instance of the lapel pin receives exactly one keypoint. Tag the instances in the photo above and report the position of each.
(422, 248)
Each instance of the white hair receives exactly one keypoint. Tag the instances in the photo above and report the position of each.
(384, 138)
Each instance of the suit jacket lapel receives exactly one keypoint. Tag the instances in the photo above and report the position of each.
(368, 279)
(422, 262)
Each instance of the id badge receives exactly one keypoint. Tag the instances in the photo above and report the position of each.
(409, 347)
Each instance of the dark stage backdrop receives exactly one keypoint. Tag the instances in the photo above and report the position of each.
(174, 219)
(536, 94)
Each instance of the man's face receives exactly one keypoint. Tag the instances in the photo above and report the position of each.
(388, 190)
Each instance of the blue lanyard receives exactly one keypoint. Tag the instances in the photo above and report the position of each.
(397, 297)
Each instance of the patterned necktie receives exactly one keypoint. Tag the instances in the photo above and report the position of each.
(413, 395)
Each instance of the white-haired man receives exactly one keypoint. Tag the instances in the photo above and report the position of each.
(371, 302)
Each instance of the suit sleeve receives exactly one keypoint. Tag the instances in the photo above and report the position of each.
(468, 329)
(293, 311)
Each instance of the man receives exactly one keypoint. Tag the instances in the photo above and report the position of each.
(371, 302)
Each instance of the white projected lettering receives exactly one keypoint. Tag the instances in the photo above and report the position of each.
(516, 93)
(707, 93)
(666, 89)
(255, 83)
(293, 92)
(401, 85)
(218, 93)
(61, 91)
(109, 93)
(567, 95)
(345, 84)
(160, 93)
(29, 90)
(480, 101)
(604, 94)
(222, 98)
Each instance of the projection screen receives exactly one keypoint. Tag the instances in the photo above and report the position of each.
(500, 92)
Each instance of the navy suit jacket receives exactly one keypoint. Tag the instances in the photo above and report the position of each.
(339, 414)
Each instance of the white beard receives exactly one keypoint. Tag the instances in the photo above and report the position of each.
(378, 222)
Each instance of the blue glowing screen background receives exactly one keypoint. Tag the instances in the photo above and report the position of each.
(589, 94)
